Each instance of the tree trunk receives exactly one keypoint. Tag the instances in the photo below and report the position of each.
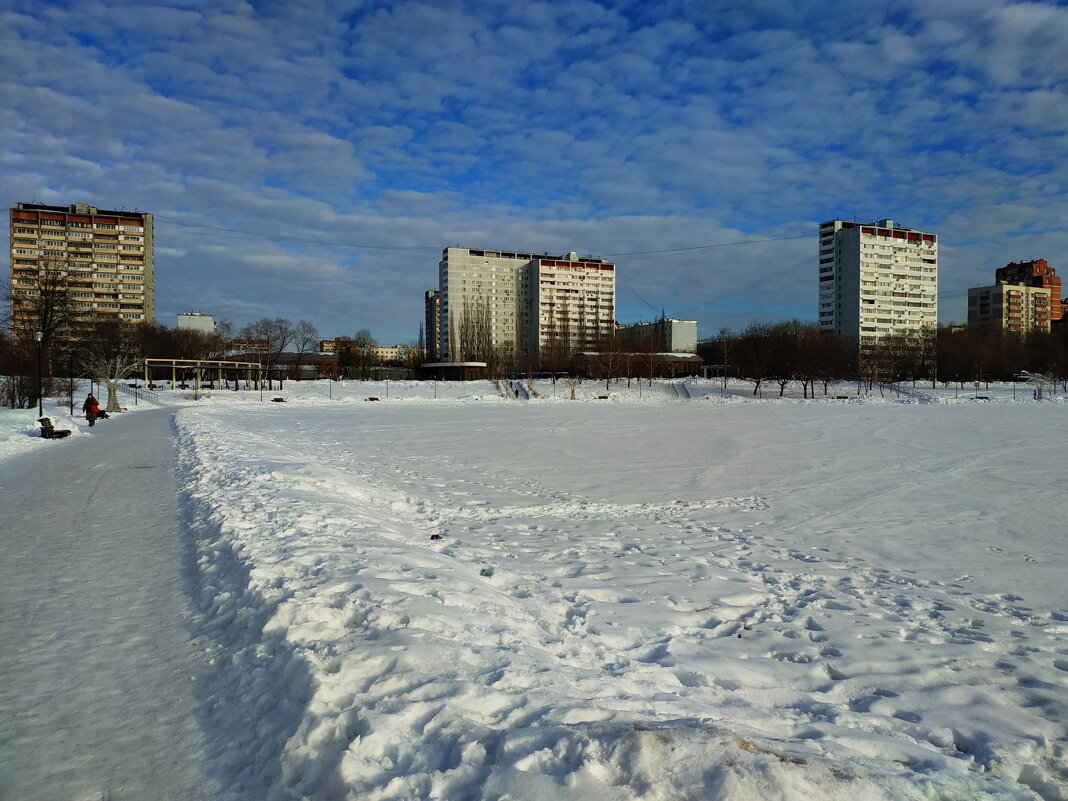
(113, 395)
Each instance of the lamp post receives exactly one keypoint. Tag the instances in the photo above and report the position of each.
(70, 379)
(40, 397)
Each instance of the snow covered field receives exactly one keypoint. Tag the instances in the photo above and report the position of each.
(643, 597)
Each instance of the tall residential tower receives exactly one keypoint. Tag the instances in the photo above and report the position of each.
(103, 257)
(523, 302)
(877, 279)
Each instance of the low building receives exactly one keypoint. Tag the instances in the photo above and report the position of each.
(195, 321)
(454, 371)
(665, 335)
(393, 353)
(1010, 307)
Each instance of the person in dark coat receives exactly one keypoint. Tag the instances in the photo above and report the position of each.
(91, 409)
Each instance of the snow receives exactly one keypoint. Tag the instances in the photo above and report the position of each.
(470, 596)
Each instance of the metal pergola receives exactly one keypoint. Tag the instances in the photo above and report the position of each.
(253, 371)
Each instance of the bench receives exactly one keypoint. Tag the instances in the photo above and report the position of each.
(48, 431)
(371, 398)
(278, 400)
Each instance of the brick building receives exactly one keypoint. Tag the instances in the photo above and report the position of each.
(1036, 273)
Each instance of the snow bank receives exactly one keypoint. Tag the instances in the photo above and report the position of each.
(617, 601)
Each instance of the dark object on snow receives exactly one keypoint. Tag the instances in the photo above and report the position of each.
(372, 398)
(602, 397)
(486, 572)
(435, 536)
(48, 431)
(278, 400)
(841, 397)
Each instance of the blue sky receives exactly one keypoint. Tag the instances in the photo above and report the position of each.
(310, 159)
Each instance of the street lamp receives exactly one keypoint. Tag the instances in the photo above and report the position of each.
(70, 378)
(40, 397)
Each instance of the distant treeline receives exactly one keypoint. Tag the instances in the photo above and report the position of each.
(794, 351)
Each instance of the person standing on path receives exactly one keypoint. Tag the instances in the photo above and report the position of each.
(91, 409)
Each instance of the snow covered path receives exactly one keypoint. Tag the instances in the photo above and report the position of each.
(97, 696)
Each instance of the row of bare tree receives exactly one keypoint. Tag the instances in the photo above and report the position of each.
(794, 351)
(46, 336)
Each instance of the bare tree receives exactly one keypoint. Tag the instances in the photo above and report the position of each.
(44, 312)
(114, 356)
(17, 387)
(470, 333)
(278, 333)
(362, 343)
(305, 338)
(754, 354)
(573, 381)
(609, 357)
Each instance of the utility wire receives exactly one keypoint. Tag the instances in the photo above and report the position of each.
(223, 232)
(708, 247)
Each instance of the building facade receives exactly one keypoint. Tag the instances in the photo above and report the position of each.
(665, 335)
(432, 324)
(524, 303)
(195, 321)
(877, 279)
(1018, 308)
(104, 258)
(1035, 273)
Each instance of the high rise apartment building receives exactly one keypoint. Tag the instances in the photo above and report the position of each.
(877, 279)
(105, 259)
(432, 324)
(1035, 273)
(1010, 307)
(525, 302)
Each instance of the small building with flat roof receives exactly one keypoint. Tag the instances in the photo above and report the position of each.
(455, 371)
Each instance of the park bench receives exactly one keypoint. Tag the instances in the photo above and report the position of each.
(48, 431)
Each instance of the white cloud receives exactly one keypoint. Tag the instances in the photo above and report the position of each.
(543, 126)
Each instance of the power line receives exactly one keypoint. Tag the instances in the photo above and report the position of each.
(709, 247)
(223, 232)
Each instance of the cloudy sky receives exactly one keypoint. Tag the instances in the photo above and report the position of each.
(310, 158)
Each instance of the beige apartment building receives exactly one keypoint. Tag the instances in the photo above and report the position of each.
(877, 279)
(1010, 307)
(104, 257)
(521, 302)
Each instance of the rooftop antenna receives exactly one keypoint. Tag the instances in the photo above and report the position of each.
(854, 213)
